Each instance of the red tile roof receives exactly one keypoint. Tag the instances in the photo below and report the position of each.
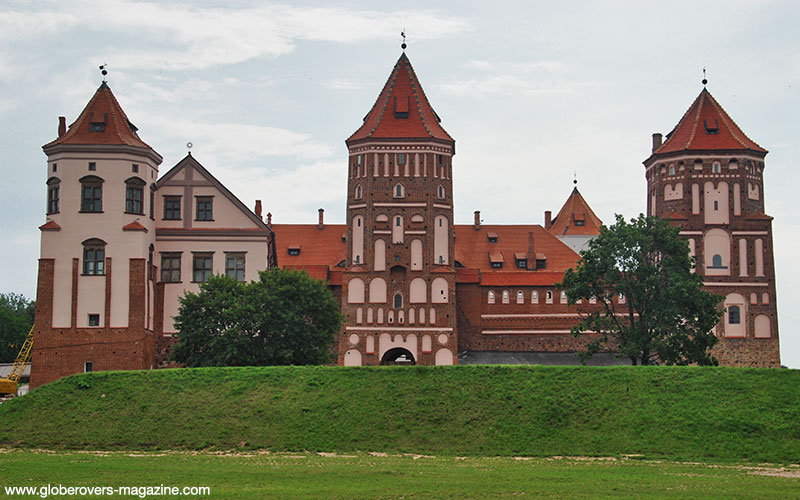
(473, 247)
(50, 226)
(696, 130)
(316, 272)
(323, 249)
(402, 110)
(575, 209)
(134, 226)
(318, 247)
(102, 108)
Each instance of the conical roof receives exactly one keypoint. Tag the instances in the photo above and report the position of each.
(705, 127)
(575, 218)
(402, 110)
(103, 122)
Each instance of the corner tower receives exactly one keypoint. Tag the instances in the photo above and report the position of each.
(398, 295)
(95, 291)
(707, 177)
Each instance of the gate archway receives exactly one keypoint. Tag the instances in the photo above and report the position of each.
(398, 356)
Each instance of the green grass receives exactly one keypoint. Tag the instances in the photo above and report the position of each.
(720, 414)
(264, 476)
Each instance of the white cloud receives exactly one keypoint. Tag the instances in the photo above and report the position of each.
(180, 36)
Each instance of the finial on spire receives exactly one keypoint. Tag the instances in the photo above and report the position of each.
(189, 147)
(704, 77)
(403, 45)
(103, 71)
(575, 177)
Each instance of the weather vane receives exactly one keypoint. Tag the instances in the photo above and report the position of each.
(403, 34)
(704, 77)
(103, 71)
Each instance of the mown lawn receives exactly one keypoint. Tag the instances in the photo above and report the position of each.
(304, 475)
(678, 413)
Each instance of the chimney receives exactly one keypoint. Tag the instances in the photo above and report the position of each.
(269, 219)
(531, 251)
(258, 209)
(62, 125)
(321, 219)
(656, 141)
(548, 215)
(477, 223)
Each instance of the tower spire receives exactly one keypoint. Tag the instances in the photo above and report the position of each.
(705, 81)
(403, 45)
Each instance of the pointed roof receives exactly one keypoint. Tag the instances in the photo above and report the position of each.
(575, 218)
(102, 122)
(706, 126)
(402, 111)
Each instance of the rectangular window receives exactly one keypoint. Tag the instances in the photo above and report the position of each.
(52, 198)
(93, 261)
(522, 263)
(94, 320)
(135, 168)
(204, 208)
(92, 166)
(88, 367)
(133, 200)
(172, 208)
(171, 267)
(202, 267)
(234, 265)
(91, 197)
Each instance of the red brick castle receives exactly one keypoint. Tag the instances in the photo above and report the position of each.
(121, 244)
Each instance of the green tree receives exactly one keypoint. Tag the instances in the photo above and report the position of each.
(16, 319)
(284, 318)
(666, 316)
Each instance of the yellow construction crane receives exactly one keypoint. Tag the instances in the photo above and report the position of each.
(9, 385)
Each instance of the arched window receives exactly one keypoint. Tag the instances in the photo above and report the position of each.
(734, 315)
(134, 194)
(441, 192)
(152, 202)
(563, 297)
(401, 158)
(491, 297)
(506, 297)
(94, 254)
(549, 296)
(520, 297)
(53, 193)
(534, 297)
(716, 260)
(398, 300)
(399, 191)
(672, 170)
(358, 192)
(91, 194)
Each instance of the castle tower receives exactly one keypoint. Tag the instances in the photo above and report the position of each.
(707, 177)
(398, 290)
(94, 305)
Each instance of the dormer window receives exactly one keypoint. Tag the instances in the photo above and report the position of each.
(95, 125)
(711, 129)
(294, 250)
(580, 222)
(492, 237)
(522, 263)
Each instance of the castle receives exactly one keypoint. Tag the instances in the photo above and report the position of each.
(121, 244)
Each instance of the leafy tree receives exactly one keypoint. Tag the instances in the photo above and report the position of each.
(666, 316)
(16, 319)
(284, 318)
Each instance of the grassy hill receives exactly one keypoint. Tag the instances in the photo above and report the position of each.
(675, 412)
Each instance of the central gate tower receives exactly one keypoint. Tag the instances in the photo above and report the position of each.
(398, 290)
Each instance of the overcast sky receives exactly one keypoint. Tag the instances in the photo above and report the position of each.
(533, 92)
